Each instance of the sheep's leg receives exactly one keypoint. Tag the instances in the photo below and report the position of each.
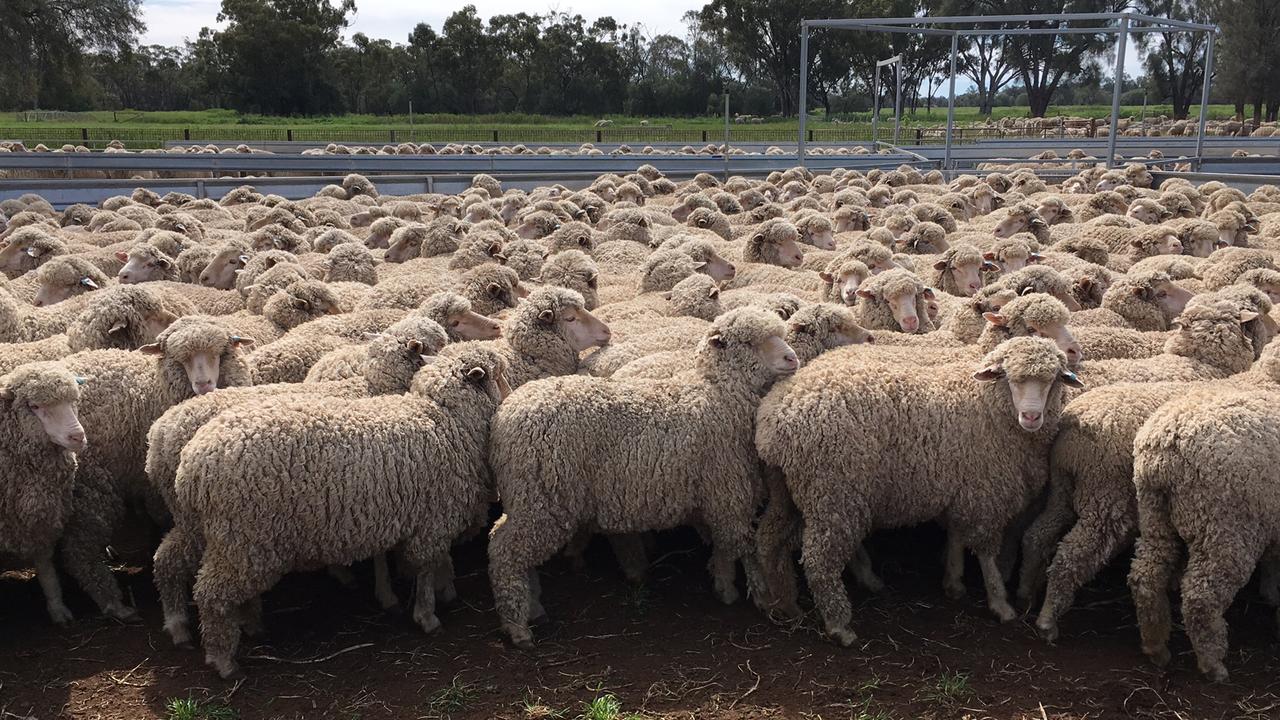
(860, 566)
(629, 550)
(1269, 577)
(222, 587)
(47, 576)
(1091, 544)
(250, 613)
(424, 600)
(727, 545)
(517, 545)
(1217, 568)
(577, 548)
(382, 589)
(446, 591)
(98, 509)
(827, 548)
(536, 611)
(993, 579)
(174, 566)
(1037, 543)
(779, 523)
(953, 570)
(1151, 574)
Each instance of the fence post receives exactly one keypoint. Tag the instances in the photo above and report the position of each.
(186, 134)
(84, 134)
(598, 135)
(393, 136)
(810, 138)
(288, 134)
(919, 136)
(704, 136)
(495, 136)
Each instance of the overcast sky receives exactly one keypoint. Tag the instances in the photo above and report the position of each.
(169, 22)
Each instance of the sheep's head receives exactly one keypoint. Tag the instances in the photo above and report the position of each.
(562, 312)
(924, 238)
(747, 341)
(775, 242)
(405, 243)
(817, 231)
(902, 293)
(143, 263)
(1053, 210)
(1264, 279)
(695, 296)
(200, 348)
(66, 276)
(44, 398)
(965, 265)
(453, 312)
(573, 269)
(1155, 289)
(843, 277)
(1036, 315)
(825, 326)
(713, 264)
(1155, 240)
(27, 248)
(1233, 227)
(221, 271)
(537, 224)
(490, 288)
(1018, 220)
(1041, 279)
(1035, 371)
(301, 301)
(1148, 212)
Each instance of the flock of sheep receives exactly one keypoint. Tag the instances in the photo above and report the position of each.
(787, 364)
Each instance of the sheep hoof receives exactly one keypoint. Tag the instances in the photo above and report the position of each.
(955, 591)
(1048, 632)
(123, 614)
(60, 615)
(1214, 671)
(429, 623)
(1159, 656)
(728, 595)
(227, 669)
(521, 638)
(1003, 611)
(843, 637)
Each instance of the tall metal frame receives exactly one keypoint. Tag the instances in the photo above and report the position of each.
(1125, 24)
(896, 62)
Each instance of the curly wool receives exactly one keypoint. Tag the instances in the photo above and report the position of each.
(979, 471)
(433, 440)
(1023, 316)
(575, 270)
(1224, 267)
(393, 355)
(664, 268)
(351, 262)
(874, 312)
(533, 347)
(67, 276)
(942, 272)
(713, 412)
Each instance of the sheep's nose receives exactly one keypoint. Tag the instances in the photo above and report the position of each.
(732, 270)
(37, 302)
(76, 438)
(1030, 417)
(203, 387)
(910, 324)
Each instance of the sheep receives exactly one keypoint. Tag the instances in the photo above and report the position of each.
(123, 393)
(545, 334)
(958, 271)
(490, 288)
(67, 276)
(894, 300)
(39, 404)
(841, 280)
(1225, 266)
(439, 237)
(742, 354)
(575, 270)
(146, 263)
(1210, 489)
(22, 323)
(984, 460)
(1144, 301)
(435, 437)
(350, 262)
(774, 242)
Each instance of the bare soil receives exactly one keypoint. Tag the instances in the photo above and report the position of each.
(666, 649)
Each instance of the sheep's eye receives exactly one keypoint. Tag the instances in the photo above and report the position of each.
(33, 407)
(454, 323)
(570, 318)
(1162, 294)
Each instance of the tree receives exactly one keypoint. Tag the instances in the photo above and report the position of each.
(1043, 61)
(1176, 64)
(1248, 57)
(44, 47)
(279, 54)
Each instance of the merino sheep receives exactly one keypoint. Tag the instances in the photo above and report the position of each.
(546, 501)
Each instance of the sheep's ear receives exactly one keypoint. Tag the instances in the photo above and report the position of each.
(989, 256)
(716, 341)
(1141, 292)
(584, 240)
(89, 283)
(1034, 257)
(122, 256)
(928, 293)
(242, 259)
(163, 263)
(1135, 243)
(827, 277)
(80, 380)
(1027, 290)
(1084, 283)
(989, 266)
(35, 252)
(1175, 324)
(502, 259)
(989, 374)
(151, 349)
(414, 346)
(714, 292)
(757, 238)
(300, 303)
(866, 295)
(477, 374)
(495, 249)
(699, 266)
(1070, 379)
(702, 222)
(547, 316)
(1247, 315)
(940, 265)
(995, 318)
(119, 326)
(494, 290)
(666, 295)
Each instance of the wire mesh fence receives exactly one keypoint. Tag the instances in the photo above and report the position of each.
(97, 138)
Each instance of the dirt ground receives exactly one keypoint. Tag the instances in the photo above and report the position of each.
(666, 649)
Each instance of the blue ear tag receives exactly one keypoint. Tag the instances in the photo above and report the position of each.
(81, 381)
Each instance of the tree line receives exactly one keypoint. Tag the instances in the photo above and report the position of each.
(289, 57)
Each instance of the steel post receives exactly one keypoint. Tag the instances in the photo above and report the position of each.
(1121, 41)
(1204, 98)
(804, 90)
(951, 101)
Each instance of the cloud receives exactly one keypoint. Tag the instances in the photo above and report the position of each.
(170, 22)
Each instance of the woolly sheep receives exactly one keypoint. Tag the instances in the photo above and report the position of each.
(67, 276)
(434, 437)
(39, 404)
(983, 460)
(894, 300)
(740, 357)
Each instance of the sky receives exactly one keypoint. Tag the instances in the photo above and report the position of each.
(169, 22)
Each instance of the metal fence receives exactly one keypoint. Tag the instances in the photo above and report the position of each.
(97, 138)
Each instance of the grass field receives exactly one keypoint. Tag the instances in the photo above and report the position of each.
(216, 118)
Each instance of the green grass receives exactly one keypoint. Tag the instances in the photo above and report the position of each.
(192, 709)
(949, 688)
(230, 118)
(452, 698)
